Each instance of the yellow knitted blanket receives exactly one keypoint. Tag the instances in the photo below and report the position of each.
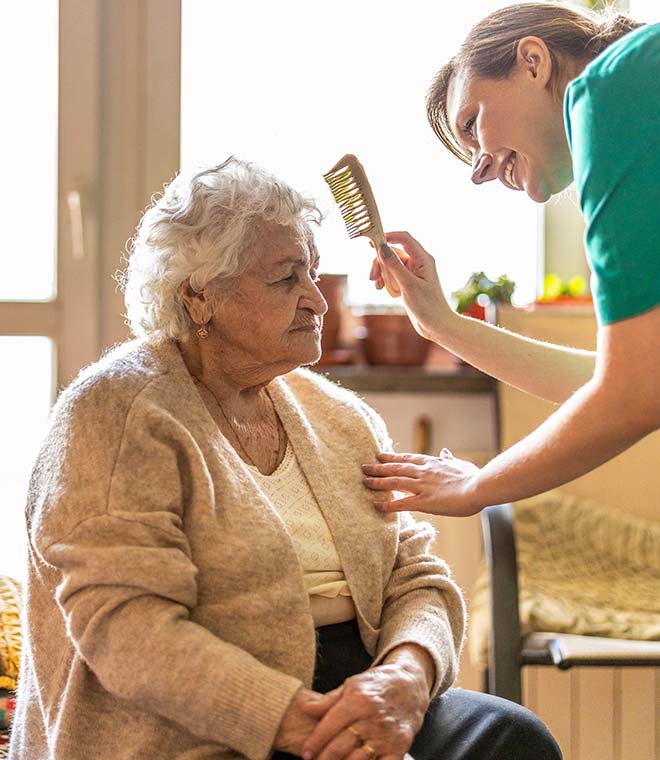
(582, 569)
(10, 632)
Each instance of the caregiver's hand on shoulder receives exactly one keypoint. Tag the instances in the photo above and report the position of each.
(440, 485)
(297, 724)
(413, 269)
(375, 714)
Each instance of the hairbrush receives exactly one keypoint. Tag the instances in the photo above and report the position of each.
(351, 190)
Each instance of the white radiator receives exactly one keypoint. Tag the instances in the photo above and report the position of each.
(598, 713)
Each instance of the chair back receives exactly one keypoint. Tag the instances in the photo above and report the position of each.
(504, 641)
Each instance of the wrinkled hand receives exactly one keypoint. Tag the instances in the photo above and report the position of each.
(383, 706)
(297, 724)
(440, 485)
(413, 271)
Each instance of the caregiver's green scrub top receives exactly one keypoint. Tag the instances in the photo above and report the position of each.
(612, 115)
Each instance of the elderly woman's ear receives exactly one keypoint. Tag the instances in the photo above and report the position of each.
(199, 304)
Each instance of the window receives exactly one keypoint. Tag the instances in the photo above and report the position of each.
(295, 89)
(645, 10)
(32, 91)
(48, 294)
(26, 391)
(27, 261)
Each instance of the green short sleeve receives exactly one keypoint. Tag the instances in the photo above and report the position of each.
(612, 114)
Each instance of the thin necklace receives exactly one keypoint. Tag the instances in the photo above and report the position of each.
(235, 432)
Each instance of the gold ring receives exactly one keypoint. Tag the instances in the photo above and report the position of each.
(356, 734)
(371, 752)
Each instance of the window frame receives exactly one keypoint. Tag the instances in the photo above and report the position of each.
(118, 141)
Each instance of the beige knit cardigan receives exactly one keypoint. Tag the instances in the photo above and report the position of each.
(166, 612)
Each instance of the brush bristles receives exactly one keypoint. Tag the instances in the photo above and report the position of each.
(348, 194)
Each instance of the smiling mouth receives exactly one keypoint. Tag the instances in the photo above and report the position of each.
(508, 172)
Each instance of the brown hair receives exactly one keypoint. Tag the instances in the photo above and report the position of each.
(490, 49)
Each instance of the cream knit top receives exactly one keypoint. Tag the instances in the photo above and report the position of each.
(288, 491)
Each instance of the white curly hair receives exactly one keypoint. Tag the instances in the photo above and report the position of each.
(202, 228)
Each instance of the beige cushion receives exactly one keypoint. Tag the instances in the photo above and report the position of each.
(583, 569)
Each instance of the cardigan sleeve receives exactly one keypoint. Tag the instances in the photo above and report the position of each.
(127, 589)
(422, 604)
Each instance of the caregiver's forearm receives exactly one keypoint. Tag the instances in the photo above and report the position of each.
(593, 426)
(545, 370)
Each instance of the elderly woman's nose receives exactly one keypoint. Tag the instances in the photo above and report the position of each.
(316, 300)
(482, 168)
(321, 305)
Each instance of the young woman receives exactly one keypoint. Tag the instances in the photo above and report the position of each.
(538, 96)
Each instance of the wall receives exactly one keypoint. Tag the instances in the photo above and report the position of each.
(563, 232)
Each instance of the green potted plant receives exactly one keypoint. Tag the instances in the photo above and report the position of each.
(479, 292)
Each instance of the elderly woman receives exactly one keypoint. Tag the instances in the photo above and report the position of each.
(208, 577)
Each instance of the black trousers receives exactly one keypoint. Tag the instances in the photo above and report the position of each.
(459, 724)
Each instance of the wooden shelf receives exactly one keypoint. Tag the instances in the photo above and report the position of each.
(459, 378)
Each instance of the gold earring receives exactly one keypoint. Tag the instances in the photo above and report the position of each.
(202, 332)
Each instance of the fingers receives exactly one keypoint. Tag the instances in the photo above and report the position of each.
(407, 504)
(360, 749)
(392, 483)
(321, 706)
(333, 723)
(395, 272)
(410, 245)
(415, 263)
(376, 717)
(390, 271)
(392, 469)
(395, 472)
(365, 752)
(390, 262)
(375, 275)
(347, 744)
(388, 456)
(376, 272)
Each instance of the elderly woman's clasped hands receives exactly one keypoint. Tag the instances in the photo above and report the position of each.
(376, 713)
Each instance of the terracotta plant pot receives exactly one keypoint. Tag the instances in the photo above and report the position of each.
(390, 339)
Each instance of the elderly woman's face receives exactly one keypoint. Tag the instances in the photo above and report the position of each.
(275, 316)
